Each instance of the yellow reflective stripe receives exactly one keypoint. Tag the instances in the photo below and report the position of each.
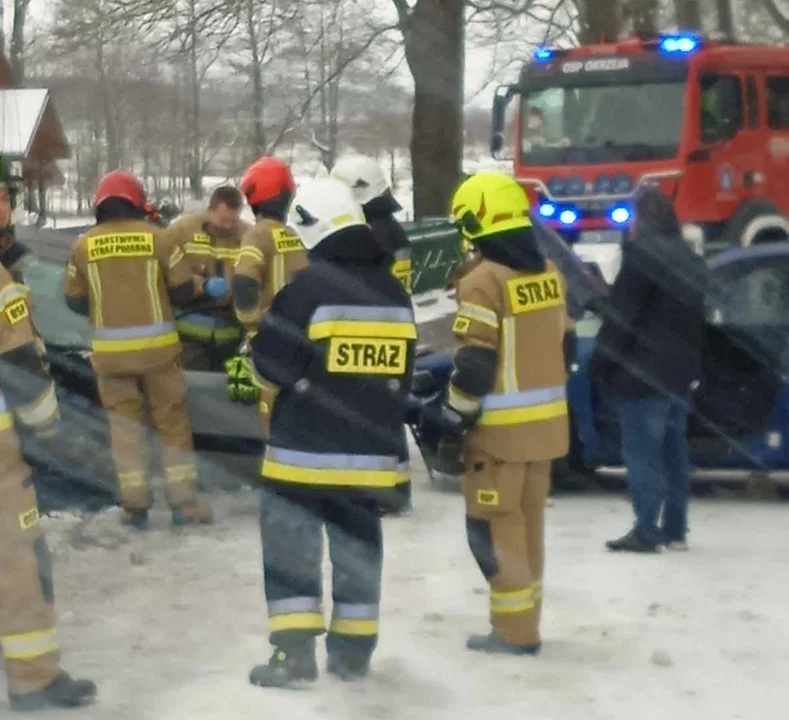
(361, 328)
(247, 317)
(41, 410)
(132, 479)
(11, 292)
(251, 252)
(360, 628)
(6, 420)
(175, 257)
(203, 332)
(341, 477)
(27, 646)
(226, 253)
(512, 603)
(131, 345)
(152, 277)
(518, 416)
(296, 621)
(198, 249)
(180, 473)
(279, 272)
(509, 357)
(461, 402)
(479, 313)
(94, 279)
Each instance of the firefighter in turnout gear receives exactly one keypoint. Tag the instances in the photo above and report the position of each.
(372, 190)
(270, 254)
(506, 415)
(120, 274)
(338, 344)
(28, 638)
(210, 240)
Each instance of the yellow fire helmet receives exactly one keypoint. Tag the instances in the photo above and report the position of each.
(489, 203)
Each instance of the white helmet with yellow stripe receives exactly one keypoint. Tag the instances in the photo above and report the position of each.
(321, 208)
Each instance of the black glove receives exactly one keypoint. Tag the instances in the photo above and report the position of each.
(449, 456)
(413, 413)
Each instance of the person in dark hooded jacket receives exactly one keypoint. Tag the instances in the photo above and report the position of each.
(648, 357)
(506, 416)
(337, 348)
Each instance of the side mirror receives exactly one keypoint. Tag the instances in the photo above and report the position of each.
(500, 102)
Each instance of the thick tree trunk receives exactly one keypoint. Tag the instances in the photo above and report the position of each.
(601, 21)
(688, 14)
(434, 44)
(725, 18)
(113, 150)
(18, 41)
(644, 14)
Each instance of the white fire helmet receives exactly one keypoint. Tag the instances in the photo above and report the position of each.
(321, 208)
(363, 175)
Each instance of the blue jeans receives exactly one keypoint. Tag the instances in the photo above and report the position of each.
(655, 452)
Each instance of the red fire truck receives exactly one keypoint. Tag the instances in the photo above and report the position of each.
(705, 120)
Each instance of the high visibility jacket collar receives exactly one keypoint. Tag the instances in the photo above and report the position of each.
(515, 249)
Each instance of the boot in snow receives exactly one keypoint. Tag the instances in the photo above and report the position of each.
(287, 667)
(347, 666)
(194, 514)
(138, 519)
(496, 645)
(634, 542)
(62, 692)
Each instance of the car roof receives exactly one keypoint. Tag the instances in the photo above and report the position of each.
(763, 251)
(52, 245)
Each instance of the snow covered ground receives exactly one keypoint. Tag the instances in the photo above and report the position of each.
(169, 623)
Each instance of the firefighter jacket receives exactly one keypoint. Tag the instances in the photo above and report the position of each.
(269, 256)
(209, 253)
(339, 343)
(119, 274)
(392, 238)
(27, 393)
(509, 369)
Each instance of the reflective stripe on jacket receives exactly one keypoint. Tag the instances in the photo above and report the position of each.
(522, 316)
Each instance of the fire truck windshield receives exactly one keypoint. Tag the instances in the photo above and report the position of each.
(601, 124)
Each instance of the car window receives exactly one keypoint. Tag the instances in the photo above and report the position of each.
(54, 321)
(754, 297)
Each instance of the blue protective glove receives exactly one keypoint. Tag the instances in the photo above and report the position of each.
(215, 287)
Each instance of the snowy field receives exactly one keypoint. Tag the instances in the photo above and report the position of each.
(169, 623)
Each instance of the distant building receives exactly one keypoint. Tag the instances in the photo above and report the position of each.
(31, 132)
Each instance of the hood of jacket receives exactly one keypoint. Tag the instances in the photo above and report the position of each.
(354, 245)
(515, 249)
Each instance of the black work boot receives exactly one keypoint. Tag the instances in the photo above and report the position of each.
(287, 667)
(348, 666)
(634, 542)
(137, 519)
(496, 645)
(62, 692)
(193, 514)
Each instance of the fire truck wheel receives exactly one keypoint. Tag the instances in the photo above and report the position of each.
(756, 221)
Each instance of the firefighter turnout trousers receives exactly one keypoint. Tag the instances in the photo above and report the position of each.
(157, 398)
(291, 526)
(27, 616)
(505, 506)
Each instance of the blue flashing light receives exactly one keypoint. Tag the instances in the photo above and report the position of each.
(679, 44)
(543, 54)
(547, 209)
(620, 215)
(568, 217)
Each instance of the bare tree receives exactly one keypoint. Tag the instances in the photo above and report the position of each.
(433, 31)
(17, 58)
(688, 14)
(600, 20)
